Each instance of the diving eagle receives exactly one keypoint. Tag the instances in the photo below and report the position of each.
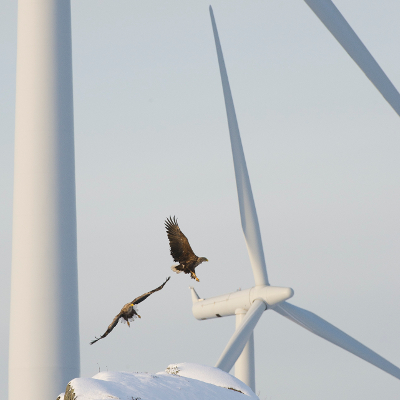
(128, 312)
(181, 251)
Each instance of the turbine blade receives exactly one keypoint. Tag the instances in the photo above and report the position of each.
(324, 329)
(241, 336)
(248, 214)
(331, 17)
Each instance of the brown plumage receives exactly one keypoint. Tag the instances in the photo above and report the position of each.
(181, 251)
(128, 312)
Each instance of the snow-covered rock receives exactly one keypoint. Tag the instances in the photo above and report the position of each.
(178, 382)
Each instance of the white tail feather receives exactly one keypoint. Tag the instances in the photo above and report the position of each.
(176, 270)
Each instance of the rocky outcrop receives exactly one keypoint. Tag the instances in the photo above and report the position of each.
(69, 393)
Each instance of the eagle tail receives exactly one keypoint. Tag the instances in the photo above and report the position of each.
(177, 268)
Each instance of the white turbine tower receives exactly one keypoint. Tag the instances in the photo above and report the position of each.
(249, 305)
(44, 325)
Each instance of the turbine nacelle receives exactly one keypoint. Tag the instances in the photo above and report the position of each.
(227, 304)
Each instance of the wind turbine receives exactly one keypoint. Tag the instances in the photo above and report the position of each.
(248, 305)
(44, 315)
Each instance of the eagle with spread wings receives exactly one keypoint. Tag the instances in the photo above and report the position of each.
(181, 251)
(128, 312)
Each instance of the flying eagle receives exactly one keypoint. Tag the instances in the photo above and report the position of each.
(128, 312)
(181, 251)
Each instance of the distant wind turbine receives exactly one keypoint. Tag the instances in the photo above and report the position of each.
(248, 305)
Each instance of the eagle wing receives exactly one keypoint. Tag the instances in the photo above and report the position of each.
(180, 247)
(146, 295)
(110, 327)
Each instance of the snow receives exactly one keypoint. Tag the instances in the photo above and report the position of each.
(179, 381)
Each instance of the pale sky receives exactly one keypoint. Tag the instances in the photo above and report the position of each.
(151, 139)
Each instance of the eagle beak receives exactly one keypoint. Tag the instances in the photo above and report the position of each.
(139, 316)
